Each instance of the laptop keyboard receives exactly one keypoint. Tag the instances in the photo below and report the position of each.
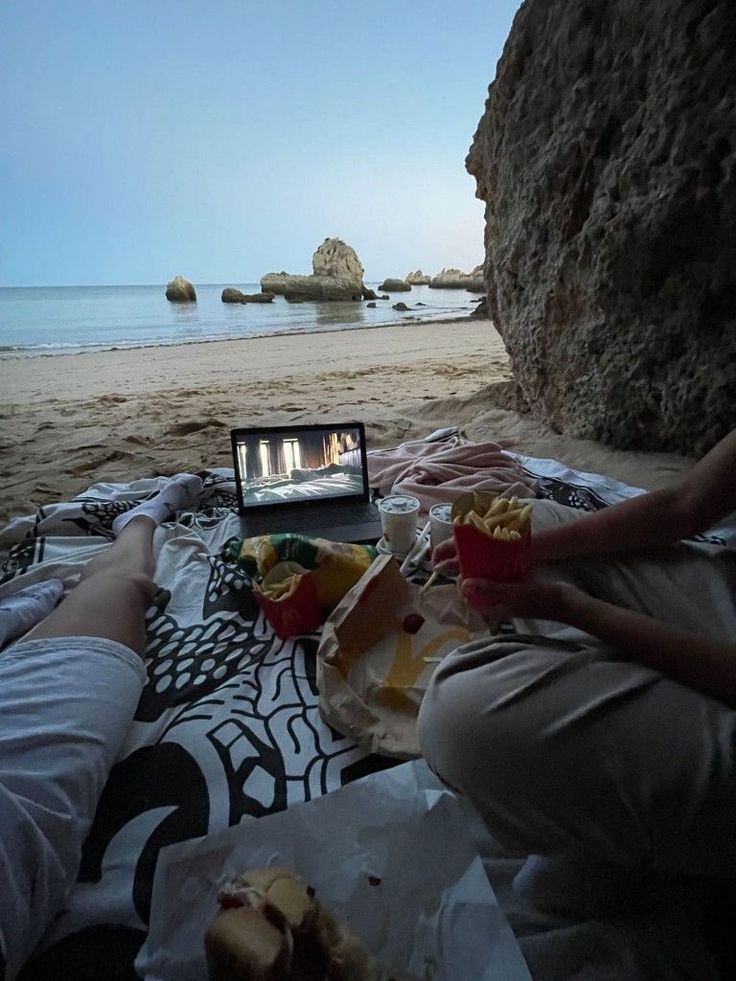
(303, 520)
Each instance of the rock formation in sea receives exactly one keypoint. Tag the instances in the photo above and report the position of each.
(456, 279)
(395, 286)
(231, 295)
(417, 278)
(607, 160)
(369, 294)
(180, 290)
(400, 306)
(481, 309)
(337, 274)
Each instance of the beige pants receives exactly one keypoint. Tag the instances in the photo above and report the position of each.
(564, 746)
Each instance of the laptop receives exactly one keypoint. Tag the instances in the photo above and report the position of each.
(312, 480)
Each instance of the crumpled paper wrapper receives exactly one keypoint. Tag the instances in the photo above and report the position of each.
(371, 672)
(391, 855)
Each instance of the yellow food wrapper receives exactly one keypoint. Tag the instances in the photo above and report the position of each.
(333, 566)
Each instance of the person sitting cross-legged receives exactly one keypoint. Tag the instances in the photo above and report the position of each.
(612, 734)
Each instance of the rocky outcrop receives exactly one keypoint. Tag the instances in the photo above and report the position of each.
(481, 311)
(607, 160)
(369, 294)
(456, 279)
(231, 295)
(417, 278)
(395, 286)
(180, 290)
(400, 306)
(337, 275)
(338, 261)
(310, 287)
(476, 281)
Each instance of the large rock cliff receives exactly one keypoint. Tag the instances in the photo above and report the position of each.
(607, 160)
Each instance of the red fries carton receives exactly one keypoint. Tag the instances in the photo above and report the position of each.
(298, 613)
(481, 556)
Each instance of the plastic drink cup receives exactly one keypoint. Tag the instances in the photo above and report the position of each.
(399, 513)
(440, 524)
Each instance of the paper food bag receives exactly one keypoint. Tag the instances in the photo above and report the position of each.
(379, 650)
(393, 856)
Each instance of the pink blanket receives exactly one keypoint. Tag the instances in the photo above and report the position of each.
(439, 472)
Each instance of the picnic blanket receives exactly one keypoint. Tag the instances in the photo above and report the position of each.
(437, 472)
(228, 724)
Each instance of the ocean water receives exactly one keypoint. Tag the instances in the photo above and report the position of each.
(68, 319)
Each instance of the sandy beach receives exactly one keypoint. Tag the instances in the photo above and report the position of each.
(69, 421)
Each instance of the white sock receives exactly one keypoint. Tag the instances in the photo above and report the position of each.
(180, 494)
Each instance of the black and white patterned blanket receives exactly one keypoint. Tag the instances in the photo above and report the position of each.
(228, 723)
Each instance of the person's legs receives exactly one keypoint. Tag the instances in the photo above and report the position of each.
(572, 751)
(113, 594)
(68, 692)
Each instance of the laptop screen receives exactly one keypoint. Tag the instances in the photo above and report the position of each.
(300, 464)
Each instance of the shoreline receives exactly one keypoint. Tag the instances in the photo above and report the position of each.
(67, 422)
(338, 329)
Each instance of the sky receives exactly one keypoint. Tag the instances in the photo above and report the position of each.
(223, 140)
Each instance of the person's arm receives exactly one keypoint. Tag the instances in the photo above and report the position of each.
(707, 493)
(706, 665)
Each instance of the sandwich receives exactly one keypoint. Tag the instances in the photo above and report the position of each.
(271, 927)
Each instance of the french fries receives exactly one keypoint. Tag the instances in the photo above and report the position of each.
(504, 519)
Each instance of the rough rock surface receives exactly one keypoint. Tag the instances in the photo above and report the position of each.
(310, 287)
(337, 275)
(231, 295)
(395, 286)
(607, 160)
(336, 259)
(456, 279)
(417, 278)
(180, 290)
(369, 294)
(476, 281)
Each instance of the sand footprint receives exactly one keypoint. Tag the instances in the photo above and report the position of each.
(194, 426)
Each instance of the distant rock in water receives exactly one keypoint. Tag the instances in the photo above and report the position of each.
(482, 311)
(336, 259)
(417, 278)
(395, 286)
(606, 159)
(371, 304)
(337, 275)
(369, 294)
(476, 280)
(180, 290)
(456, 279)
(231, 295)
(401, 306)
(311, 287)
(384, 296)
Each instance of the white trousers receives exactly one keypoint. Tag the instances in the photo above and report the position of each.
(564, 746)
(65, 708)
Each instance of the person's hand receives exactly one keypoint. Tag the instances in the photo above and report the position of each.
(444, 558)
(539, 598)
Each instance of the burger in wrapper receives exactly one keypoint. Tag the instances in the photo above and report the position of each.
(271, 927)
